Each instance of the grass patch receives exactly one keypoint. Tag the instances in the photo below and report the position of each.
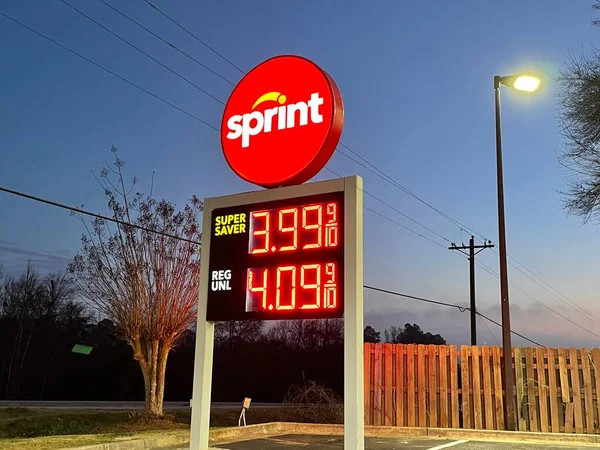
(12, 413)
(61, 442)
(23, 423)
(81, 422)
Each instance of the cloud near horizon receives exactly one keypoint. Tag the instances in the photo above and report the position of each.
(14, 258)
(533, 321)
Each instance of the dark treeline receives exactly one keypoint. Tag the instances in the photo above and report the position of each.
(41, 320)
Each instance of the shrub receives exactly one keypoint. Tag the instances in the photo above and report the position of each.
(312, 403)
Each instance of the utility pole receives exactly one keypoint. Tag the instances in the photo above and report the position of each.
(471, 247)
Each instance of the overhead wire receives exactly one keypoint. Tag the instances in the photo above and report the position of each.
(421, 299)
(462, 226)
(92, 214)
(534, 298)
(193, 35)
(380, 173)
(369, 166)
(170, 44)
(488, 329)
(372, 168)
(403, 226)
(450, 305)
(182, 110)
(187, 80)
(512, 331)
(480, 264)
(552, 291)
(131, 83)
(394, 209)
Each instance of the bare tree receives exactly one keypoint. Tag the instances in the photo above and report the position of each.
(307, 334)
(229, 333)
(29, 301)
(580, 123)
(145, 278)
(392, 334)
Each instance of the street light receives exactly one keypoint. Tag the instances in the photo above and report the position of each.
(529, 84)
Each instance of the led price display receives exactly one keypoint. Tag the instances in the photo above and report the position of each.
(277, 260)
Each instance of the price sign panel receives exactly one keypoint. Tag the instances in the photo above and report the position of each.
(278, 259)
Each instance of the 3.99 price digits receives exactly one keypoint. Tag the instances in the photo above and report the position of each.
(293, 287)
(299, 228)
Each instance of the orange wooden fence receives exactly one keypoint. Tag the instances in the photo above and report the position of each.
(557, 389)
(438, 386)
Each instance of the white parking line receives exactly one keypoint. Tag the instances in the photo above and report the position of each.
(449, 444)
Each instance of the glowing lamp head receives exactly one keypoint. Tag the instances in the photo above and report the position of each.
(526, 83)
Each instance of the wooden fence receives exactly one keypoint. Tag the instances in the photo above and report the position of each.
(438, 386)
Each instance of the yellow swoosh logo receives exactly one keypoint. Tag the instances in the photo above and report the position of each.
(270, 96)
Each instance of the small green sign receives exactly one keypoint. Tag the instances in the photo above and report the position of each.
(82, 349)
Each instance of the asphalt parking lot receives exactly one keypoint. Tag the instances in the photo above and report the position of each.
(288, 442)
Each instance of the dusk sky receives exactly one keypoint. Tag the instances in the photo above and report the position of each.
(417, 84)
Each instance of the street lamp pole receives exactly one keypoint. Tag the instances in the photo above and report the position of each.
(509, 379)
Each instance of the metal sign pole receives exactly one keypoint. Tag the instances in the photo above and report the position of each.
(205, 336)
(354, 412)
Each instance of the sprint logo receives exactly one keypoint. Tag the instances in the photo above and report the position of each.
(279, 117)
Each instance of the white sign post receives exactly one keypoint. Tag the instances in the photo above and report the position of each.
(353, 306)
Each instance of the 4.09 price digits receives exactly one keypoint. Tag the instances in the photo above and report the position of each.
(289, 229)
(304, 287)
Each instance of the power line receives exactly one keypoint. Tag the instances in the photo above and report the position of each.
(451, 305)
(377, 171)
(403, 226)
(166, 42)
(488, 329)
(15, 247)
(207, 93)
(381, 174)
(187, 80)
(489, 270)
(194, 36)
(513, 332)
(532, 297)
(369, 166)
(373, 169)
(395, 222)
(399, 186)
(131, 83)
(81, 211)
(111, 219)
(421, 299)
(99, 216)
(393, 208)
(563, 298)
(182, 110)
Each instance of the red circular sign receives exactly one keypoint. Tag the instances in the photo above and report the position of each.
(282, 122)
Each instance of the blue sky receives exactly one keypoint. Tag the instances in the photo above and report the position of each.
(416, 79)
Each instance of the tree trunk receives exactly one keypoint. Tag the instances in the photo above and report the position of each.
(160, 373)
(152, 358)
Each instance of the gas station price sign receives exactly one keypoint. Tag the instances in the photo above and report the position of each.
(293, 251)
(281, 259)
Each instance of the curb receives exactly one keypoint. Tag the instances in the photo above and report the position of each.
(140, 444)
(273, 428)
(235, 434)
